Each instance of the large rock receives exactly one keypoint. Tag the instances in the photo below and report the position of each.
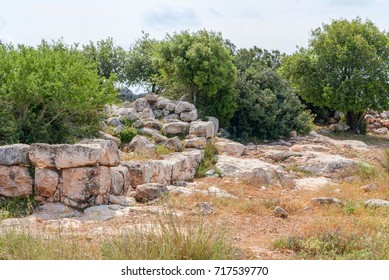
(142, 145)
(85, 186)
(153, 124)
(252, 169)
(158, 138)
(183, 106)
(136, 170)
(51, 211)
(173, 144)
(15, 181)
(106, 136)
(127, 114)
(375, 202)
(230, 147)
(202, 129)
(14, 155)
(140, 104)
(151, 98)
(122, 200)
(189, 116)
(46, 181)
(161, 103)
(171, 118)
(110, 155)
(312, 183)
(64, 155)
(215, 122)
(149, 192)
(146, 114)
(114, 122)
(321, 163)
(195, 142)
(121, 180)
(175, 128)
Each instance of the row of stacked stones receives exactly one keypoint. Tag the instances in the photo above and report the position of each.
(88, 173)
(91, 173)
(162, 120)
(378, 123)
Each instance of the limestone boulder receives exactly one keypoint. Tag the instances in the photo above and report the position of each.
(106, 136)
(122, 200)
(171, 118)
(158, 138)
(149, 192)
(151, 98)
(158, 114)
(230, 147)
(253, 169)
(15, 181)
(153, 124)
(215, 122)
(135, 170)
(114, 122)
(375, 202)
(202, 129)
(140, 104)
(189, 116)
(146, 114)
(142, 145)
(369, 119)
(170, 106)
(46, 181)
(121, 181)
(195, 143)
(64, 155)
(85, 186)
(183, 106)
(161, 103)
(16, 154)
(173, 144)
(381, 131)
(128, 114)
(175, 128)
(110, 155)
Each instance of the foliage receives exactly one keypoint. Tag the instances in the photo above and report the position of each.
(172, 240)
(51, 94)
(110, 59)
(16, 207)
(333, 245)
(127, 134)
(267, 107)
(199, 66)
(209, 160)
(139, 67)
(345, 68)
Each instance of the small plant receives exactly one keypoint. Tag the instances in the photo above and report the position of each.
(366, 171)
(16, 207)
(127, 134)
(162, 150)
(349, 207)
(385, 160)
(209, 160)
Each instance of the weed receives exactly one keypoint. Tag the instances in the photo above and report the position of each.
(162, 150)
(16, 207)
(366, 171)
(209, 160)
(127, 134)
(385, 160)
(334, 245)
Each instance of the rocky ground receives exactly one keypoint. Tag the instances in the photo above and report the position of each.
(302, 187)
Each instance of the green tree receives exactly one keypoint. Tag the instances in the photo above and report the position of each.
(345, 68)
(51, 94)
(267, 107)
(139, 67)
(200, 66)
(110, 59)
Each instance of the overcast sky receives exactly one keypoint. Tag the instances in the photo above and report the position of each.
(269, 24)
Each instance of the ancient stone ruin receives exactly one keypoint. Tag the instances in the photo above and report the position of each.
(91, 172)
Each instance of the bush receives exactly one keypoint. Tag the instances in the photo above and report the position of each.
(127, 134)
(50, 93)
(267, 107)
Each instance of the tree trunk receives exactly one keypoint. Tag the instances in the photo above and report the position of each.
(354, 121)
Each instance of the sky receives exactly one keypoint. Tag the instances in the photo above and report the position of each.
(268, 24)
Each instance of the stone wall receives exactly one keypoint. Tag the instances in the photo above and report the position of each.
(87, 173)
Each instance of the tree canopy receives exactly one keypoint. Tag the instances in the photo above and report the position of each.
(200, 66)
(345, 68)
(267, 107)
(50, 94)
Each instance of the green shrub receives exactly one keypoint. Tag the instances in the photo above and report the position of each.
(16, 207)
(267, 107)
(127, 134)
(209, 160)
(51, 94)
